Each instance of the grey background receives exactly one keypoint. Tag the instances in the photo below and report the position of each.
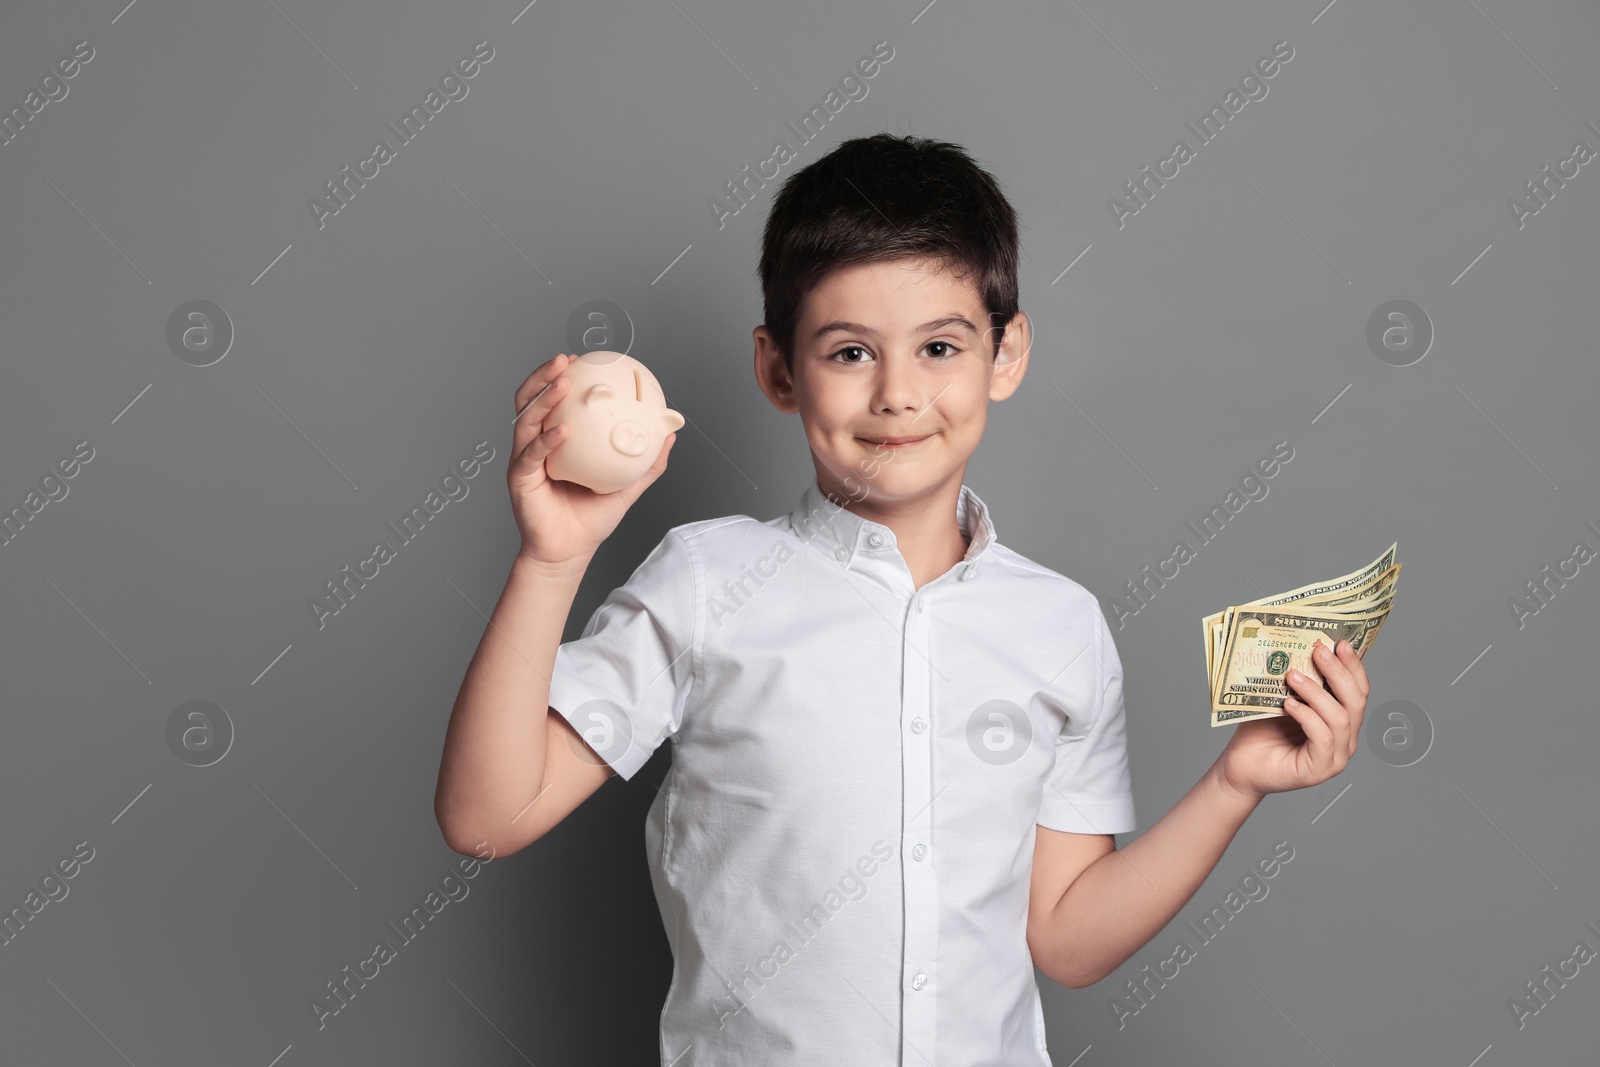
(1228, 315)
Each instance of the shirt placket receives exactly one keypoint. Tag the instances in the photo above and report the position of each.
(919, 972)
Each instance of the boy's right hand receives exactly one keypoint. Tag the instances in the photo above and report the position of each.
(560, 521)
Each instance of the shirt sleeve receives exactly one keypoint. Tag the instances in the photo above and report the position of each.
(1089, 790)
(624, 684)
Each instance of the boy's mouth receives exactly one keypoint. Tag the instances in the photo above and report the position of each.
(896, 442)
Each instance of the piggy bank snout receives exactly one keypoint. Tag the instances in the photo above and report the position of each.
(630, 437)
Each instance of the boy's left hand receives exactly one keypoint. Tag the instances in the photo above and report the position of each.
(1312, 741)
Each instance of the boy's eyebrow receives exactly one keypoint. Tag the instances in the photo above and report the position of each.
(841, 326)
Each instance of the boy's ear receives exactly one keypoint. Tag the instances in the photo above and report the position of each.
(1011, 360)
(771, 373)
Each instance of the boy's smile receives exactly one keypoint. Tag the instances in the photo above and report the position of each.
(895, 442)
(893, 371)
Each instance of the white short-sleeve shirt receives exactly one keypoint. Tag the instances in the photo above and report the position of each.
(843, 846)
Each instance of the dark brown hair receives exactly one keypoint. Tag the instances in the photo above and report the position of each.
(885, 197)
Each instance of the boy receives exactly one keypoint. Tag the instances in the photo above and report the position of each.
(899, 749)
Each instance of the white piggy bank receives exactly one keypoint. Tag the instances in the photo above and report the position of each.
(618, 419)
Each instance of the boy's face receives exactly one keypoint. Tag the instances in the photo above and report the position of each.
(888, 350)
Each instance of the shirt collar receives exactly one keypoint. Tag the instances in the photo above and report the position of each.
(840, 534)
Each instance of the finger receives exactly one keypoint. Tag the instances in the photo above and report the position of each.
(540, 445)
(1338, 676)
(1332, 714)
(536, 397)
(1351, 660)
(530, 443)
(1358, 670)
(541, 376)
(1325, 703)
(1319, 736)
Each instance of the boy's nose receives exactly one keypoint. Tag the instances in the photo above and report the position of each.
(896, 388)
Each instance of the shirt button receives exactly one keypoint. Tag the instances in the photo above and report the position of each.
(875, 539)
(919, 980)
(919, 607)
(918, 725)
(919, 852)
(841, 553)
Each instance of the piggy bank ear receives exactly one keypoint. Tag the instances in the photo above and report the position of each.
(673, 420)
(598, 391)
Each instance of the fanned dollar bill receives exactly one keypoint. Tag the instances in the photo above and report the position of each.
(1250, 648)
(1357, 599)
(1353, 583)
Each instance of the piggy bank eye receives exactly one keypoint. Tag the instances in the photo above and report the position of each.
(601, 391)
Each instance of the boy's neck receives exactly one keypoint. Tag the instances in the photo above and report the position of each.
(925, 528)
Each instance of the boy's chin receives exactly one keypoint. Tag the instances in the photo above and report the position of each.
(901, 479)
